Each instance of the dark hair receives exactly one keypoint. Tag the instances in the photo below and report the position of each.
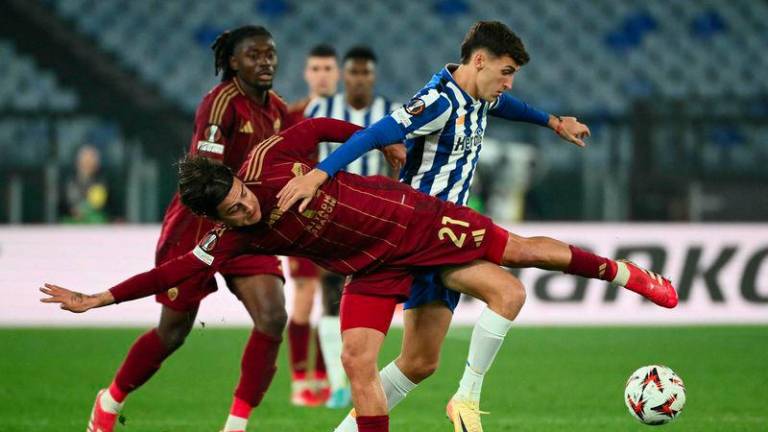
(203, 184)
(224, 47)
(497, 38)
(322, 50)
(360, 52)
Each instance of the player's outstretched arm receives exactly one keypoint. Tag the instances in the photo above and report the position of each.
(74, 301)
(567, 128)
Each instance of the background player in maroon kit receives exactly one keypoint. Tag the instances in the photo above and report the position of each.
(373, 228)
(321, 73)
(236, 114)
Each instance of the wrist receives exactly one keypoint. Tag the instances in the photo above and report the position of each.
(556, 123)
(103, 299)
(318, 175)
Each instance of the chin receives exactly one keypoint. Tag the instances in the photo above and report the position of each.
(263, 85)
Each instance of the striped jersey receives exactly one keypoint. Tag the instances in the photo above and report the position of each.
(336, 107)
(444, 129)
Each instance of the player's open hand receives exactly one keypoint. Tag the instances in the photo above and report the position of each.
(302, 188)
(72, 301)
(395, 156)
(571, 130)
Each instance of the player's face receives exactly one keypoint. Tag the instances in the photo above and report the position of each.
(359, 77)
(495, 76)
(240, 207)
(255, 60)
(322, 75)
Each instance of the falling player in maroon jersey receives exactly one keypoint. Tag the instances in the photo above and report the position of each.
(321, 73)
(375, 229)
(235, 115)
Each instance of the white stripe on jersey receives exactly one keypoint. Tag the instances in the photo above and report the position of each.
(336, 107)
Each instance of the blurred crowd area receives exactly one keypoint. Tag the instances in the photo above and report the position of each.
(97, 99)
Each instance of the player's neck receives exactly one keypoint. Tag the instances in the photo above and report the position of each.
(257, 95)
(359, 102)
(465, 78)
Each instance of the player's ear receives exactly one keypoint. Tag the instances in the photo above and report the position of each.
(233, 63)
(479, 59)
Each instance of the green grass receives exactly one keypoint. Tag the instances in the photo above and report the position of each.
(544, 379)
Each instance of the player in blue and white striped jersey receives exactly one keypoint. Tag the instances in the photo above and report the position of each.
(443, 127)
(358, 104)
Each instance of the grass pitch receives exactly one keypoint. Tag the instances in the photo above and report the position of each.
(544, 379)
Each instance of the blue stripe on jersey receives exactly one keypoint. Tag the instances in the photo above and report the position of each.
(455, 175)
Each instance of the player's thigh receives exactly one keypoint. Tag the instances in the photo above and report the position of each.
(424, 331)
(486, 281)
(175, 325)
(263, 298)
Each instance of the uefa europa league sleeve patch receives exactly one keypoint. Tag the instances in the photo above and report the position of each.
(415, 106)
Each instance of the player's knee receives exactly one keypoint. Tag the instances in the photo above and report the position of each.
(173, 337)
(357, 362)
(508, 300)
(419, 368)
(272, 320)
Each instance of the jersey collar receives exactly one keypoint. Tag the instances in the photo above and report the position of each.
(447, 74)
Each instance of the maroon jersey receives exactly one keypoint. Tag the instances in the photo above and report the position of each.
(228, 124)
(354, 225)
(296, 111)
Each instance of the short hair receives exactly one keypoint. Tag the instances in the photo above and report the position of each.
(497, 38)
(360, 52)
(224, 47)
(322, 50)
(203, 184)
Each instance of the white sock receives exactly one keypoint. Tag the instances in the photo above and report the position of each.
(329, 331)
(622, 274)
(235, 423)
(109, 404)
(487, 337)
(396, 387)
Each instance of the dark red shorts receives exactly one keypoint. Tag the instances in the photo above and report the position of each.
(456, 235)
(180, 233)
(302, 268)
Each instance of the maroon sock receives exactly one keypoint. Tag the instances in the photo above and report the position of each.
(589, 265)
(143, 360)
(258, 367)
(320, 371)
(298, 343)
(373, 423)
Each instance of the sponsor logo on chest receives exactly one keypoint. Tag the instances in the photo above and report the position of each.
(320, 217)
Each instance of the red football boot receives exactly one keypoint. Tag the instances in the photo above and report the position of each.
(101, 420)
(648, 284)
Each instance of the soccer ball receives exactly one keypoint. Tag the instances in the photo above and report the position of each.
(654, 395)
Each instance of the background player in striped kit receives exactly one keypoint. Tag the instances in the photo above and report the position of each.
(236, 114)
(360, 105)
(321, 74)
(443, 127)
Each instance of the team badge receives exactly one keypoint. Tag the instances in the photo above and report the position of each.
(415, 106)
(209, 242)
(277, 125)
(212, 133)
(172, 293)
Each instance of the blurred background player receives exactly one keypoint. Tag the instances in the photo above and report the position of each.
(321, 73)
(236, 114)
(360, 105)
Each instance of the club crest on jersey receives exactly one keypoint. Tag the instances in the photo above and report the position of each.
(415, 106)
(276, 125)
(212, 133)
(172, 293)
(209, 242)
